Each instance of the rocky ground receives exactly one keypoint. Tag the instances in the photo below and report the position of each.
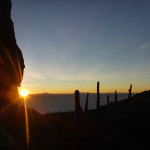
(122, 125)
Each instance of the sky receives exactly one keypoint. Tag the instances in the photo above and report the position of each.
(72, 44)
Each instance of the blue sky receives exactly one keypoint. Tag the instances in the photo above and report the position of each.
(71, 44)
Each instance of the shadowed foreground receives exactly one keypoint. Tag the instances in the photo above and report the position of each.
(117, 126)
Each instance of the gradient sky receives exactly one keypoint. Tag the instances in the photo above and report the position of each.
(72, 44)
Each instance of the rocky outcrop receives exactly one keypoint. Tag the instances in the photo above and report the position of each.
(11, 59)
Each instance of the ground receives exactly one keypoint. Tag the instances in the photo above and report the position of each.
(122, 125)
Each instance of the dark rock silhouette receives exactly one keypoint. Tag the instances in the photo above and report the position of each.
(11, 59)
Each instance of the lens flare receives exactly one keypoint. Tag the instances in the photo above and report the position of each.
(24, 93)
(27, 123)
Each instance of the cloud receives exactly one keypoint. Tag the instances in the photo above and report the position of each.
(145, 46)
(33, 76)
(73, 73)
(31, 84)
(30, 79)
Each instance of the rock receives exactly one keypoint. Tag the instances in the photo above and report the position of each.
(11, 59)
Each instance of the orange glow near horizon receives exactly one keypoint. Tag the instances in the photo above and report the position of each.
(84, 88)
(81, 91)
(135, 90)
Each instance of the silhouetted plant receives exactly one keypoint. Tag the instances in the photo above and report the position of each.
(116, 96)
(86, 103)
(108, 100)
(77, 113)
(130, 92)
(98, 96)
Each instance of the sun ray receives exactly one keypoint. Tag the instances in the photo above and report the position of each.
(24, 94)
(27, 123)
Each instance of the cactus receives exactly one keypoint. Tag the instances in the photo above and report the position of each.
(86, 103)
(130, 91)
(77, 113)
(108, 100)
(115, 96)
(98, 96)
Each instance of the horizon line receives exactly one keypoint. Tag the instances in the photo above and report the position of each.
(81, 93)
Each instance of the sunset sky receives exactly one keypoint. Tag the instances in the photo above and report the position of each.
(72, 44)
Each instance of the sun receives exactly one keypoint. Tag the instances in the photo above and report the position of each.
(24, 93)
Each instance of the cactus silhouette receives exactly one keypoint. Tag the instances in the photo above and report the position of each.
(116, 96)
(107, 99)
(86, 103)
(98, 96)
(130, 92)
(77, 113)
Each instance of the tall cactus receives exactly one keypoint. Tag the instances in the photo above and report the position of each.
(108, 100)
(86, 103)
(130, 92)
(116, 99)
(98, 96)
(77, 113)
